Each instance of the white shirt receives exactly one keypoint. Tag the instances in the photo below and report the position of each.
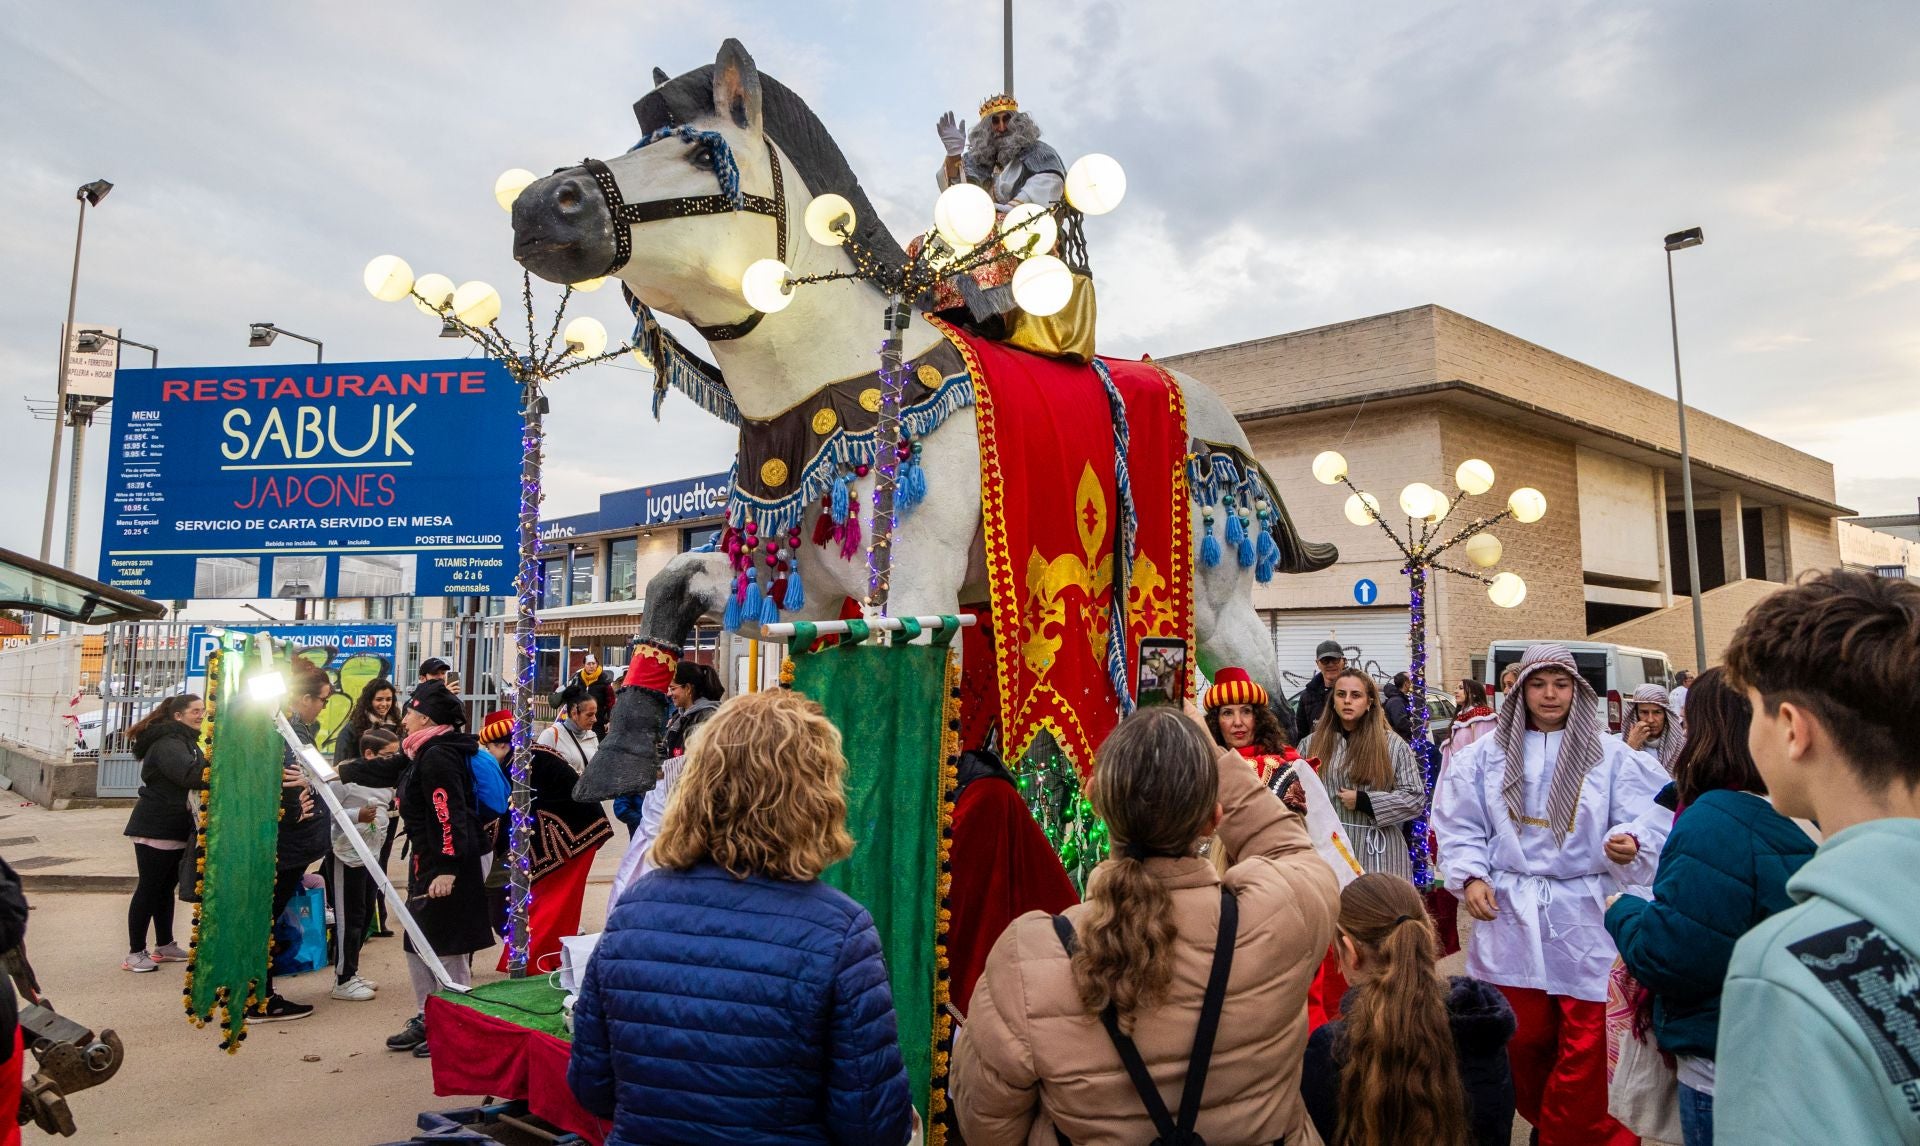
(574, 745)
(1549, 933)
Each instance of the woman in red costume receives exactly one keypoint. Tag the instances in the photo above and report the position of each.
(1241, 718)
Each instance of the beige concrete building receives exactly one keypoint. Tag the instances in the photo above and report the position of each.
(1408, 396)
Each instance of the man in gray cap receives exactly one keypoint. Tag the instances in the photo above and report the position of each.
(1331, 660)
(1522, 818)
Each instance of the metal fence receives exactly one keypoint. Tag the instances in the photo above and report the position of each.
(39, 691)
(144, 662)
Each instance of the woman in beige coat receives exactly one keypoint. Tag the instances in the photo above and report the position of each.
(1033, 1063)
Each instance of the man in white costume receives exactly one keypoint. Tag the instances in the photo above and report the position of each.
(1522, 818)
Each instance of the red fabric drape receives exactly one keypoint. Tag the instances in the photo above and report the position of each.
(1003, 868)
(475, 1053)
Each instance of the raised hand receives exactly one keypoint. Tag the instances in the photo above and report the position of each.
(953, 134)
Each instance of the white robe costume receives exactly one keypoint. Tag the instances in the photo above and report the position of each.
(1551, 894)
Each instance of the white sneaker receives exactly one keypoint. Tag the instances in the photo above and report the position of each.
(354, 990)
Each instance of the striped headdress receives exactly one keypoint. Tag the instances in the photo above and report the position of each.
(1580, 748)
(1675, 737)
(1233, 686)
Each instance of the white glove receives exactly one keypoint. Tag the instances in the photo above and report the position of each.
(953, 134)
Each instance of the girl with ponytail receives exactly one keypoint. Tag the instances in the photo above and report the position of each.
(1063, 999)
(1412, 1058)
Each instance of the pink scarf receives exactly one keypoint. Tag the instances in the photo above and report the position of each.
(415, 741)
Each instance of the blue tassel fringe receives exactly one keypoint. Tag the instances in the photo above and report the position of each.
(769, 612)
(1210, 549)
(1235, 534)
(1246, 550)
(730, 620)
(796, 596)
(913, 486)
(754, 599)
(840, 500)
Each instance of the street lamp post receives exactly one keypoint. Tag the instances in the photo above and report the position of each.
(92, 340)
(1680, 241)
(1428, 511)
(263, 334)
(472, 311)
(89, 195)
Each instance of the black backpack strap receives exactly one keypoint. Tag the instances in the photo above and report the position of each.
(1210, 1006)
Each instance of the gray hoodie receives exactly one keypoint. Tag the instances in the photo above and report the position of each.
(1820, 1022)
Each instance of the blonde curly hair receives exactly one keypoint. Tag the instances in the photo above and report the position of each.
(762, 792)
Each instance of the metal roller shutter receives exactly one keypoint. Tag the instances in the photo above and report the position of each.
(1375, 639)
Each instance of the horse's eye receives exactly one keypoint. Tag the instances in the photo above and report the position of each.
(702, 157)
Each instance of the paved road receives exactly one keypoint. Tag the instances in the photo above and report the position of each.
(178, 1087)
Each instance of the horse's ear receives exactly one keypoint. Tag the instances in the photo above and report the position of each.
(659, 76)
(736, 86)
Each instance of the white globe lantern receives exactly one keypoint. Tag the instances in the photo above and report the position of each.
(1096, 184)
(766, 286)
(1484, 549)
(476, 303)
(1361, 508)
(1329, 467)
(507, 188)
(436, 293)
(1417, 500)
(588, 286)
(1042, 286)
(1507, 590)
(1440, 507)
(1528, 505)
(830, 219)
(585, 337)
(1474, 477)
(388, 278)
(1029, 230)
(964, 215)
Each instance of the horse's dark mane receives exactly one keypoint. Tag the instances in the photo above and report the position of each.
(791, 124)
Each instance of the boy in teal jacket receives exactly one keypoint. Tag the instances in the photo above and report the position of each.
(1820, 1021)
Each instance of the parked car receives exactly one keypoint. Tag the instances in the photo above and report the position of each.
(1614, 671)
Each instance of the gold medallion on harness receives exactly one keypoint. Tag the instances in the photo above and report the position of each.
(773, 473)
(870, 399)
(929, 376)
(824, 421)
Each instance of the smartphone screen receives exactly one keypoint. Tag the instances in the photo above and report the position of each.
(1162, 675)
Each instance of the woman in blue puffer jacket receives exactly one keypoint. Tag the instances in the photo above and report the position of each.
(734, 998)
(1724, 869)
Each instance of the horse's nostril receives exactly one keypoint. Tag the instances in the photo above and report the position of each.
(567, 196)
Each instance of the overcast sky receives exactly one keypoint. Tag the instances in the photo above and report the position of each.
(1289, 165)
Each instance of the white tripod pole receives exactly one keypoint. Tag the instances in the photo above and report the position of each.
(320, 774)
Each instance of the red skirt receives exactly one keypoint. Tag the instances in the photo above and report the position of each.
(555, 913)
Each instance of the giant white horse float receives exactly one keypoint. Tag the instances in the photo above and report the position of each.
(655, 218)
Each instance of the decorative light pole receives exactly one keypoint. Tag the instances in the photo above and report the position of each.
(472, 311)
(968, 233)
(1428, 511)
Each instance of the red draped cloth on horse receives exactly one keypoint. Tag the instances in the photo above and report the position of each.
(1051, 516)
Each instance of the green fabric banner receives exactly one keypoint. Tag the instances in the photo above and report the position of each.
(239, 828)
(891, 704)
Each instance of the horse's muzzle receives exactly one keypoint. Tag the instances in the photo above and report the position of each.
(563, 228)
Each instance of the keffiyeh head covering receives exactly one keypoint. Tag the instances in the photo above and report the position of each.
(1580, 748)
(1675, 737)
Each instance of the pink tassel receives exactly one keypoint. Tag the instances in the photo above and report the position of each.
(850, 544)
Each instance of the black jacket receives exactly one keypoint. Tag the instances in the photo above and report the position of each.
(1482, 1024)
(436, 804)
(1399, 709)
(13, 932)
(302, 842)
(171, 765)
(1312, 702)
(601, 690)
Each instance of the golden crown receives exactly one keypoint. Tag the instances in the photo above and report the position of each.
(995, 104)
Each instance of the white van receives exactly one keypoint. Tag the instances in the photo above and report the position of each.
(1614, 671)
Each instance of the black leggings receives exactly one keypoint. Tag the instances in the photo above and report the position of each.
(286, 884)
(353, 895)
(153, 896)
